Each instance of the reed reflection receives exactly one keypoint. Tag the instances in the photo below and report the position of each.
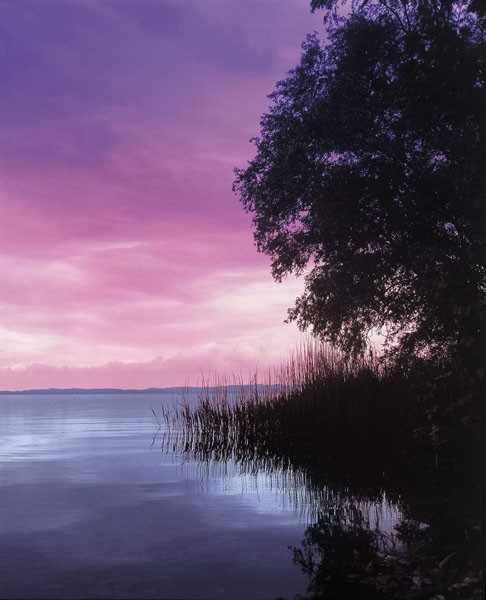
(308, 495)
(344, 444)
(363, 541)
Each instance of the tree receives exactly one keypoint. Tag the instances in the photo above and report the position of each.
(369, 178)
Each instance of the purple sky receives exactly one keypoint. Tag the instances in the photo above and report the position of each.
(126, 259)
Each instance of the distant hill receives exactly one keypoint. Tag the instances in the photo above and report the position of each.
(233, 389)
(72, 391)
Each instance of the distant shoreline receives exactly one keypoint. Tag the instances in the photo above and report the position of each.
(168, 390)
(65, 391)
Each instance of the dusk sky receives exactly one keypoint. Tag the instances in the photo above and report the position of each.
(126, 259)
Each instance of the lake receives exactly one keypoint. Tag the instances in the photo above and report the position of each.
(95, 504)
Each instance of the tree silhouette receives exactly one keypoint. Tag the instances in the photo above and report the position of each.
(369, 178)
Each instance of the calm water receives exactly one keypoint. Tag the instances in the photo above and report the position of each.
(90, 507)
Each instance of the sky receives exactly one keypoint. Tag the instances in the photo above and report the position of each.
(126, 260)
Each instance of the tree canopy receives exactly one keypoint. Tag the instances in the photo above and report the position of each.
(369, 178)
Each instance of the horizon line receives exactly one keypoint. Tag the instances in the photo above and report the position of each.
(150, 390)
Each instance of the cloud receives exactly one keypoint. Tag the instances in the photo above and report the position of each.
(124, 302)
(120, 237)
(212, 362)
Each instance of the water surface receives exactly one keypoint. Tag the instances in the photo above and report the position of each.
(91, 507)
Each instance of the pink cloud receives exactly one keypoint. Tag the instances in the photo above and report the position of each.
(120, 238)
(213, 362)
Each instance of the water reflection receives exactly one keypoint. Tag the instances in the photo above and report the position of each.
(96, 513)
(88, 510)
(377, 528)
(306, 490)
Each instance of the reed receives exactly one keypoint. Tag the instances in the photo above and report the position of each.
(338, 434)
(318, 404)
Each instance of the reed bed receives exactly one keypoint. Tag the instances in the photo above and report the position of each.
(318, 404)
(337, 433)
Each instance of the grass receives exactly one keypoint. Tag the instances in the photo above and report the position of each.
(319, 409)
(342, 432)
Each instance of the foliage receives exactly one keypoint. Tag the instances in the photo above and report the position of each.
(345, 558)
(337, 545)
(369, 178)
